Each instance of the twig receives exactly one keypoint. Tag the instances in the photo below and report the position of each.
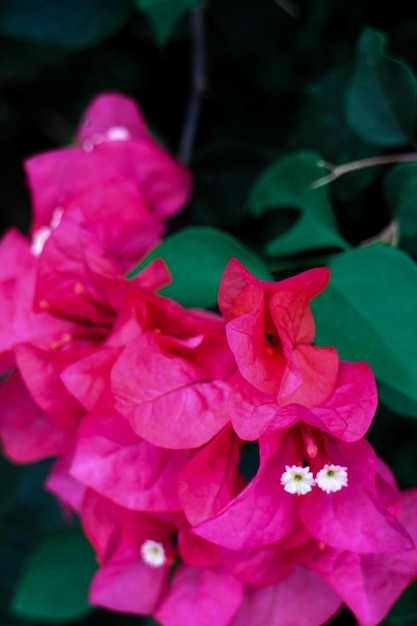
(198, 85)
(338, 170)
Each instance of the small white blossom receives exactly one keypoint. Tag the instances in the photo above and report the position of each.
(153, 553)
(332, 478)
(297, 479)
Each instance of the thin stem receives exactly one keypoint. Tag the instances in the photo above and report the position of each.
(198, 85)
(338, 170)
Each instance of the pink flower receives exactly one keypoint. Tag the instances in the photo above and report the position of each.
(352, 517)
(270, 329)
(116, 165)
(135, 551)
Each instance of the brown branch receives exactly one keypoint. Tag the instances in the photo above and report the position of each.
(339, 170)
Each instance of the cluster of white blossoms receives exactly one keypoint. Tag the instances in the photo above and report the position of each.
(300, 480)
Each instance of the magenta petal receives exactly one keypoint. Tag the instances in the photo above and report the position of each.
(175, 405)
(235, 298)
(209, 481)
(201, 597)
(69, 491)
(15, 255)
(265, 565)
(263, 513)
(259, 365)
(128, 585)
(353, 518)
(41, 372)
(310, 375)
(370, 583)
(88, 379)
(111, 459)
(109, 110)
(27, 434)
(348, 411)
(303, 599)
(75, 276)
(196, 551)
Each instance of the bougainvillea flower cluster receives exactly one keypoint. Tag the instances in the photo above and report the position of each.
(152, 410)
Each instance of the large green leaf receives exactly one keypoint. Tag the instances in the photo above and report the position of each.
(400, 187)
(197, 257)
(287, 184)
(164, 14)
(382, 96)
(369, 312)
(55, 580)
(67, 23)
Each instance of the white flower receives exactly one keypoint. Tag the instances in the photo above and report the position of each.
(153, 553)
(332, 478)
(297, 479)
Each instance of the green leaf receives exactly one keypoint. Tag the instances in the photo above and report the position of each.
(400, 188)
(164, 15)
(396, 401)
(67, 23)
(382, 95)
(287, 184)
(197, 257)
(55, 580)
(369, 313)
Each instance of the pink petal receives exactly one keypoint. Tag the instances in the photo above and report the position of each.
(41, 372)
(209, 481)
(176, 405)
(303, 599)
(353, 518)
(263, 513)
(108, 110)
(27, 434)
(201, 597)
(111, 459)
